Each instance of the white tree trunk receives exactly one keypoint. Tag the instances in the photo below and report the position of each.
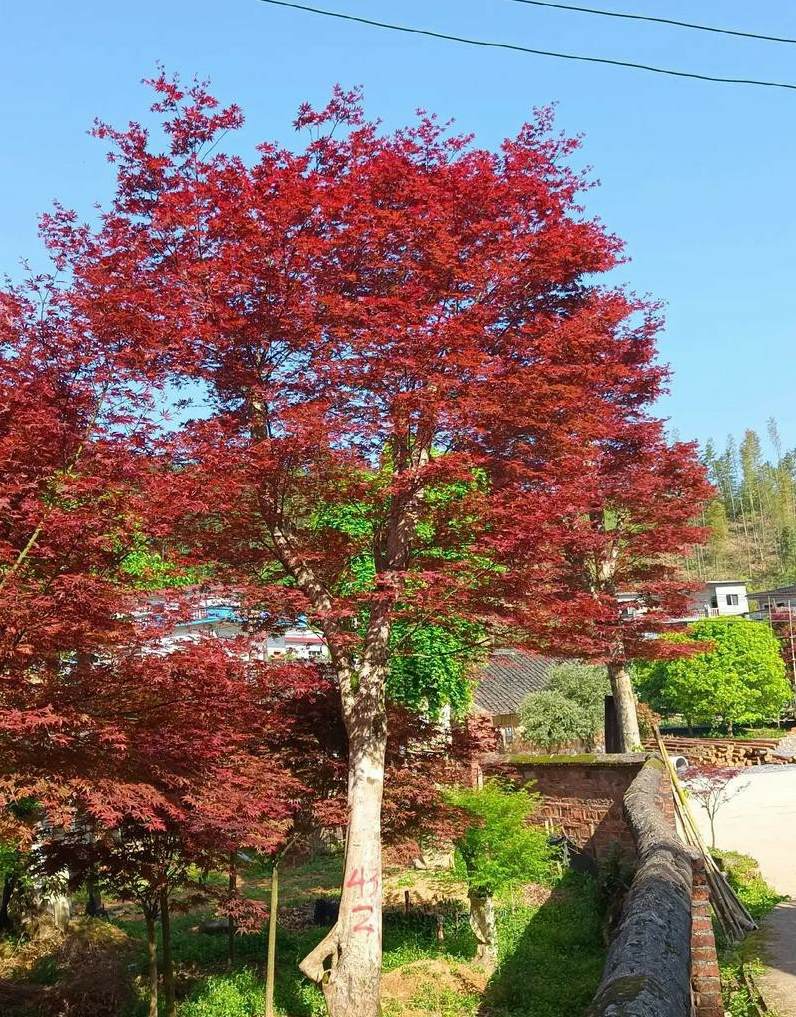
(625, 703)
(347, 963)
(484, 926)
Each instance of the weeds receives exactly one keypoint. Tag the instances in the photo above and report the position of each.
(745, 878)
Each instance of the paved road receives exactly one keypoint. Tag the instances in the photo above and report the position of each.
(761, 821)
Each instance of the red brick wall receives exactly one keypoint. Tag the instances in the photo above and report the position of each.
(583, 799)
(705, 979)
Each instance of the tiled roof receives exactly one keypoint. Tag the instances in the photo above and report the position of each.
(508, 678)
(780, 591)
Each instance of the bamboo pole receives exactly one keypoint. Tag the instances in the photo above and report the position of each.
(731, 914)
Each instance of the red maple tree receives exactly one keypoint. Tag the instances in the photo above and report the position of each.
(69, 436)
(416, 392)
(618, 581)
(177, 765)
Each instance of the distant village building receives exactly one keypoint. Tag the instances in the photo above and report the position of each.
(717, 598)
(509, 676)
(780, 601)
(721, 598)
(219, 618)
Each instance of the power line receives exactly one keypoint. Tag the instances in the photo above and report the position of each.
(527, 49)
(659, 21)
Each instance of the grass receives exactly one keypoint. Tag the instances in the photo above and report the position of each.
(551, 952)
(431, 999)
(676, 726)
(753, 733)
(551, 956)
(745, 878)
(318, 876)
(550, 962)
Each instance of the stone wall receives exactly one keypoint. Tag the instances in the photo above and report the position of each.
(662, 961)
(648, 968)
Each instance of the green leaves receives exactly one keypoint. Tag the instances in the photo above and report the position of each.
(149, 570)
(430, 661)
(430, 665)
(499, 848)
(740, 680)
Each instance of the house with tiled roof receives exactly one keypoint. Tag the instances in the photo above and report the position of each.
(509, 676)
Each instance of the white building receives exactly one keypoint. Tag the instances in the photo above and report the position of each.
(721, 598)
(718, 598)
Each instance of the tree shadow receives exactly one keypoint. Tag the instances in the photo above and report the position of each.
(552, 959)
(776, 938)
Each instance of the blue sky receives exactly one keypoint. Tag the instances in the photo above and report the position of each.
(697, 178)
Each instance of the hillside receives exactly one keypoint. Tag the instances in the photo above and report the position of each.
(752, 521)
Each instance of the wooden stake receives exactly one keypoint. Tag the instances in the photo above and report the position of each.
(270, 965)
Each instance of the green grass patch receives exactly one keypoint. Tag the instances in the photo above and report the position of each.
(552, 956)
(743, 875)
(753, 733)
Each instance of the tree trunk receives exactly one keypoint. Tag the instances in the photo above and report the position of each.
(625, 700)
(482, 922)
(347, 963)
(168, 962)
(9, 885)
(94, 906)
(270, 962)
(233, 888)
(152, 957)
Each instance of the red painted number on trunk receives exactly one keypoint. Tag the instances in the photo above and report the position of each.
(363, 925)
(368, 886)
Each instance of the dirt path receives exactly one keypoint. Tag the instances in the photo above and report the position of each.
(761, 822)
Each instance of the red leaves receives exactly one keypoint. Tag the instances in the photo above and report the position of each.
(381, 315)
(420, 407)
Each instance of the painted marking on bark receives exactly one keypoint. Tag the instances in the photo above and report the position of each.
(357, 879)
(368, 886)
(363, 925)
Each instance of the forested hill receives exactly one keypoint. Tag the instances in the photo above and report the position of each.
(752, 521)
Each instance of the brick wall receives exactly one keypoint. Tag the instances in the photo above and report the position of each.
(705, 979)
(600, 804)
(582, 795)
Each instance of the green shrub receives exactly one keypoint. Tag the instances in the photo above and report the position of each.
(739, 679)
(499, 848)
(571, 709)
